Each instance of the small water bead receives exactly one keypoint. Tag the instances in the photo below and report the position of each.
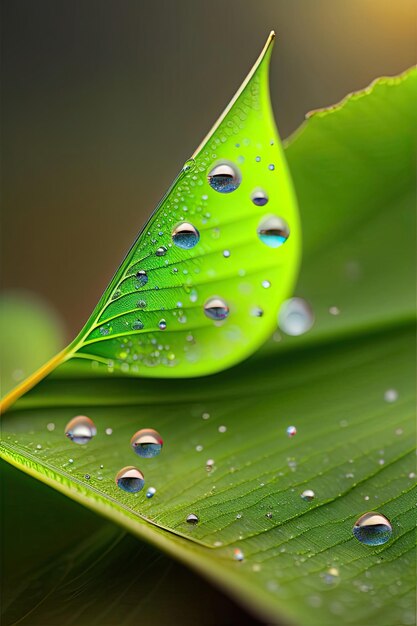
(226, 254)
(141, 304)
(162, 325)
(104, 330)
(116, 295)
(185, 236)
(130, 479)
(39, 447)
(206, 416)
(391, 395)
(199, 448)
(209, 465)
(256, 312)
(192, 519)
(147, 443)
(295, 317)
(291, 431)
(161, 251)
(224, 177)
(271, 167)
(308, 495)
(266, 284)
(137, 325)
(222, 429)
(109, 431)
(142, 277)
(269, 515)
(87, 476)
(50, 427)
(238, 554)
(334, 310)
(151, 492)
(259, 197)
(188, 166)
(216, 309)
(80, 429)
(372, 529)
(257, 159)
(273, 231)
(331, 577)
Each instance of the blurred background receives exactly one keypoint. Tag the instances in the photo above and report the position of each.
(103, 101)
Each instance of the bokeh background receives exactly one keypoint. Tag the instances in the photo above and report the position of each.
(103, 101)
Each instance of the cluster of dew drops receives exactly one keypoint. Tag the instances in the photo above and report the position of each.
(371, 528)
(223, 177)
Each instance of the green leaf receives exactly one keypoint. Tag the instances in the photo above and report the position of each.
(60, 572)
(200, 288)
(353, 168)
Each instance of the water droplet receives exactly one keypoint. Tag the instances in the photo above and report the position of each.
(199, 448)
(109, 431)
(137, 325)
(141, 304)
(391, 395)
(291, 431)
(331, 577)
(205, 416)
(39, 447)
(222, 429)
(334, 310)
(256, 312)
(271, 166)
(151, 492)
(161, 251)
(185, 236)
(147, 443)
(104, 330)
(192, 518)
(239, 516)
(295, 317)
(209, 465)
(259, 197)
(80, 429)
(87, 476)
(268, 515)
(130, 479)
(116, 295)
(226, 254)
(70, 460)
(266, 284)
(188, 165)
(238, 554)
(224, 177)
(216, 309)
(162, 324)
(273, 231)
(142, 277)
(372, 529)
(50, 426)
(308, 495)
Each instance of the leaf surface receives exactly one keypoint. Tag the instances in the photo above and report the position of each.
(353, 169)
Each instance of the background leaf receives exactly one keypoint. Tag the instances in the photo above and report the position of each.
(353, 448)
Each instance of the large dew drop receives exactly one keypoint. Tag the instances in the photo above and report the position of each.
(147, 443)
(192, 519)
(372, 529)
(273, 231)
(295, 317)
(142, 277)
(185, 236)
(224, 177)
(80, 429)
(130, 479)
(259, 197)
(216, 309)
